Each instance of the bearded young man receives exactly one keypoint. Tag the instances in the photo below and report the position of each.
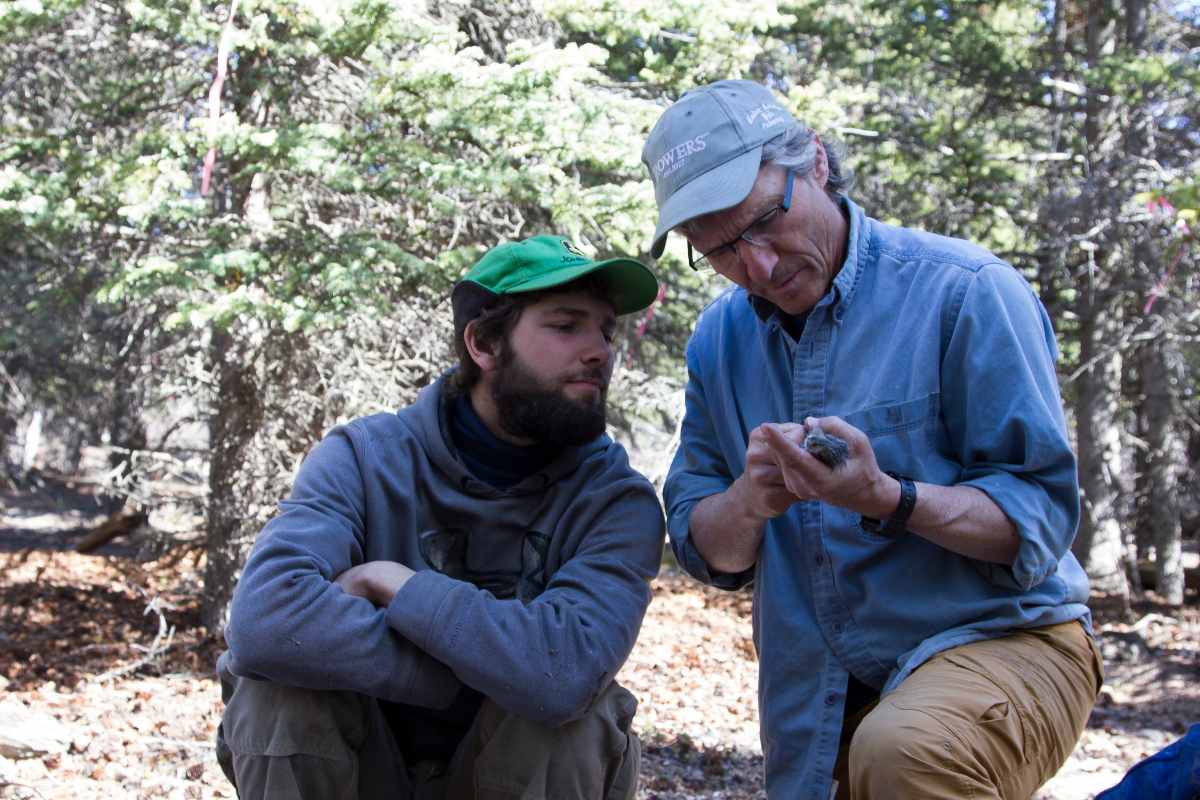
(442, 602)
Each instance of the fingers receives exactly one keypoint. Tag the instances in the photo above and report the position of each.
(786, 447)
(789, 457)
(765, 444)
(764, 471)
(777, 461)
(768, 493)
(760, 457)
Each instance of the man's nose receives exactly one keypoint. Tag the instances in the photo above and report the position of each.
(759, 261)
(598, 350)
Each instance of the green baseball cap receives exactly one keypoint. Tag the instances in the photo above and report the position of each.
(543, 262)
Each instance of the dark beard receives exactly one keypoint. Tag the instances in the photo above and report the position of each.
(531, 411)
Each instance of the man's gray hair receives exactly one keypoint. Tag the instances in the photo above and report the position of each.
(796, 149)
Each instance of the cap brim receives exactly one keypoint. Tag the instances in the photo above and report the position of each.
(631, 285)
(720, 188)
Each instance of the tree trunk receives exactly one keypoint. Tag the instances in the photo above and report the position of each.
(1098, 545)
(1135, 23)
(1164, 451)
(239, 369)
(270, 411)
(1100, 42)
(235, 421)
(1159, 359)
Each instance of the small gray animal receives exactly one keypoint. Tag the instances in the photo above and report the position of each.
(830, 450)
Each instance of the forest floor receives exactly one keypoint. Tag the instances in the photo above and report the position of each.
(103, 658)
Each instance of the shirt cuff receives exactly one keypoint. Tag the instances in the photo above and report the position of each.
(690, 559)
(1035, 560)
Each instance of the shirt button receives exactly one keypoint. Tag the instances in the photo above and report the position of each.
(818, 559)
(830, 699)
(838, 627)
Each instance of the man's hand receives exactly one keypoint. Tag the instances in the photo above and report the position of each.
(762, 487)
(858, 484)
(377, 581)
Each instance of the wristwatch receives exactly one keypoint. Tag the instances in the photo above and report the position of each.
(897, 524)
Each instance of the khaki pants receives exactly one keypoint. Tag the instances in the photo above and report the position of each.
(990, 719)
(281, 742)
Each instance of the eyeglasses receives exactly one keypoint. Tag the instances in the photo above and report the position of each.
(756, 234)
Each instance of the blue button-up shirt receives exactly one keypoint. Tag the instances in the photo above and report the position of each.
(941, 354)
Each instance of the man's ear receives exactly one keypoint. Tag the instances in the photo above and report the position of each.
(486, 355)
(820, 164)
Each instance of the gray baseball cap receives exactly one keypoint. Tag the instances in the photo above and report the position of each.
(705, 150)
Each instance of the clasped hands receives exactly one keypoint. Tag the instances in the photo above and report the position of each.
(780, 472)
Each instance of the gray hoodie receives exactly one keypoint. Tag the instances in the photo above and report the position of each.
(566, 557)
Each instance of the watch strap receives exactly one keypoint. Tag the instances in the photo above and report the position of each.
(897, 524)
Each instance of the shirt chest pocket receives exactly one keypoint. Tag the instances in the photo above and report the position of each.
(904, 435)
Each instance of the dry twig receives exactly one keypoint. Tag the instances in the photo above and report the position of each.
(161, 644)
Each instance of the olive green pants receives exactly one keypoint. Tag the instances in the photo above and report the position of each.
(990, 719)
(278, 742)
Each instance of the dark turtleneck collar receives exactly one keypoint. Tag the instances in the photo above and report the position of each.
(492, 460)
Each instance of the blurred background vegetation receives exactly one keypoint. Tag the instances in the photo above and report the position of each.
(225, 227)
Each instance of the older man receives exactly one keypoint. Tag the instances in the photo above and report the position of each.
(441, 604)
(920, 620)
